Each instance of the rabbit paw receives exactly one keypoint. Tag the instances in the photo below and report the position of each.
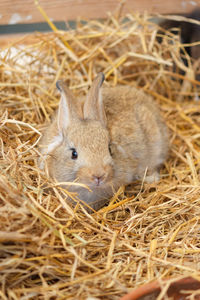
(154, 177)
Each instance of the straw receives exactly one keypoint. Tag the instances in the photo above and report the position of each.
(52, 250)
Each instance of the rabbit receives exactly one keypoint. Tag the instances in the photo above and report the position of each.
(115, 137)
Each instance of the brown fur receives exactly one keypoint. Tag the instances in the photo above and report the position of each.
(122, 118)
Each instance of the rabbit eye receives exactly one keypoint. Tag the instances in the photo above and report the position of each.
(74, 153)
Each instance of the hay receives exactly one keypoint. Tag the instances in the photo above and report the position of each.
(50, 250)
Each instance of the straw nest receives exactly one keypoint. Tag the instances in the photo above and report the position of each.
(50, 250)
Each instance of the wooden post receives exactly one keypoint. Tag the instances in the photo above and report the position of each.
(25, 11)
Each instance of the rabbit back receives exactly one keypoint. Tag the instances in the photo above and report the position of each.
(139, 137)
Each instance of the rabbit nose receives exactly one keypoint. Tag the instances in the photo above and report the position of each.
(98, 179)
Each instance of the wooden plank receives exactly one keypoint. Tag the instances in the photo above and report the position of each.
(25, 11)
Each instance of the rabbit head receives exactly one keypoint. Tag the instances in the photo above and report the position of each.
(77, 145)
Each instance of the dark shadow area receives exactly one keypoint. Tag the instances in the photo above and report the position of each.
(32, 27)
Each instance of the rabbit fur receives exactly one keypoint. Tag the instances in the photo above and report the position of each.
(114, 138)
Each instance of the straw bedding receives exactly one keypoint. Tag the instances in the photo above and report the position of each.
(50, 250)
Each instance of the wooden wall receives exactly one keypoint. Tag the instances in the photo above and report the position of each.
(25, 11)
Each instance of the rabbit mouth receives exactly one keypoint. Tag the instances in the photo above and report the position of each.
(97, 183)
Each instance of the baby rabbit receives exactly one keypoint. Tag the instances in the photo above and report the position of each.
(115, 137)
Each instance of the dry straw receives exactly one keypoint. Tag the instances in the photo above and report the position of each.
(50, 250)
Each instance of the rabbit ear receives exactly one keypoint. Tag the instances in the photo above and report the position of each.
(66, 111)
(93, 108)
